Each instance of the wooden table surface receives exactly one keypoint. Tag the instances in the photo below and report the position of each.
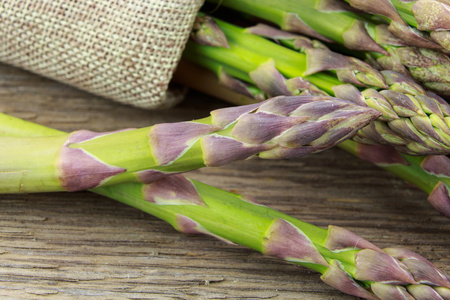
(81, 245)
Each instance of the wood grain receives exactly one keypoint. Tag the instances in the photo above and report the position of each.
(80, 245)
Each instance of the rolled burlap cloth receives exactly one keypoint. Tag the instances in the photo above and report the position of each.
(125, 50)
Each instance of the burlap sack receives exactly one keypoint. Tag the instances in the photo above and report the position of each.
(125, 50)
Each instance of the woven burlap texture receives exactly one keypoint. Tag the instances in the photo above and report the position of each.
(125, 50)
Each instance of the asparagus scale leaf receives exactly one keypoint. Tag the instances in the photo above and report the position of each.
(346, 261)
(282, 127)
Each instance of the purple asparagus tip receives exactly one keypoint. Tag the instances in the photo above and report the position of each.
(423, 270)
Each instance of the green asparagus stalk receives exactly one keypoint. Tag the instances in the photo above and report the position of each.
(282, 127)
(412, 54)
(432, 16)
(413, 121)
(347, 262)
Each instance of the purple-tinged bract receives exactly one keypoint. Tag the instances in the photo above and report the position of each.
(431, 15)
(378, 266)
(169, 140)
(270, 80)
(148, 176)
(79, 170)
(440, 199)
(340, 238)
(221, 150)
(390, 292)
(339, 279)
(421, 291)
(261, 127)
(172, 190)
(225, 116)
(285, 241)
(295, 24)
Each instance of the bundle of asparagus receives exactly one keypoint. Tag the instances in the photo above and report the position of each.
(397, 47)
(347, 262)
(272, 69)
(139, 166)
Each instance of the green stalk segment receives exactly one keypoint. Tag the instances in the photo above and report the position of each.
(346, 261)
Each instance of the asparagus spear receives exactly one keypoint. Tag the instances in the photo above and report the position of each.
(432, 16)
(346, 261)
(414, 121)
(413, 54)
(283, 127)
